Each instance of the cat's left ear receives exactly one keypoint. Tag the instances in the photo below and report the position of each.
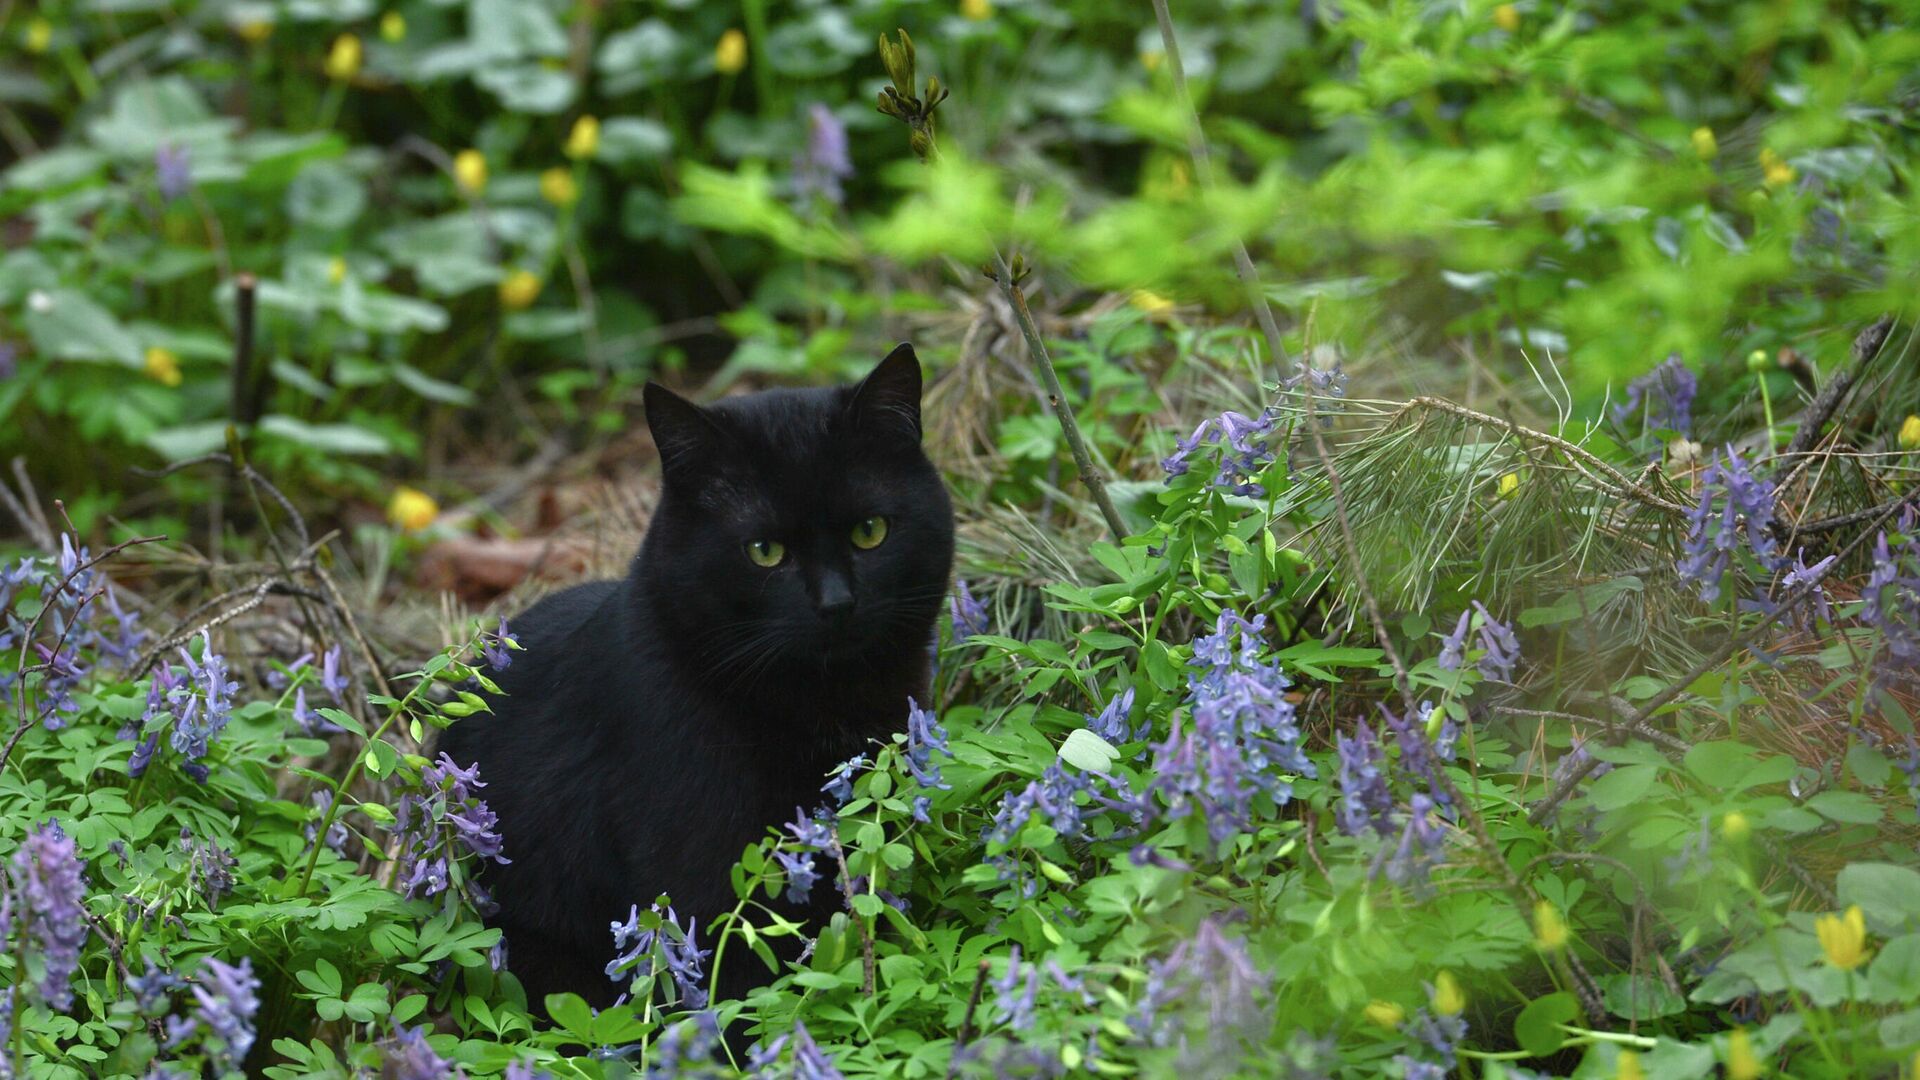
(888, 399)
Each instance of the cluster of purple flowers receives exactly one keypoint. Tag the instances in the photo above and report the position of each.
(427, 823)
(679, 953)
(1890, 602)
(810, 836)
(151, 989)
(225, 1001)
(1211, 979)
(924, 736)
(1243, 456)
(819, 170)
(686, 1050)
(969, 614)
(1442, 1034)
(1666, 394)
(195, 706)
(1367, 803)
(1055, 796)
(172, 171)
(209, 868)
(1324, 382)
(1015, 999)
(46, 894)
(1112, 723)
(840, 785)
(497, 648)
(71, 623)
(1501, 649)
(809, 1061)
(1732, 501)
(1242, 739)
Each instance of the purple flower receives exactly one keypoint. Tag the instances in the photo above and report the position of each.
(1502, 648)
(1212, 980)
(840, 786)
(969, 614)
(9, 365)
(1242, 740)
(1443, 1034)
(1713, 535)
(809, 1061)
(1412, 1068)
(922, 807)
(142, 756)
(151, 987)
(209, 867)
(311, 723)
(1111, 724)
(1013, 1003)
(1422, 844)
(1243, 456)
(1364, 799)
(499, 647)
(1890, 600)
(819, 171)
(1666, 393)
(815, 832)
(686, 1047)
(337, 832)
(1329, 381)
(924, 736)
(331, 677)
(1453, 647)
(408, 1057)
(446, 800)
(225, 1004)
(49, 875)
(801, 875)
(679, 953)
(125, 642)
(172, 170)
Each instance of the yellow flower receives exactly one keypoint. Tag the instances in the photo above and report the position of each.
(1628, 1067)
(255, 30)
(393, 26)
(343, 60)
(1704, 144)
(411, 509)
(336, 270)
(1448, 998)
(1509, 484)
(977, 10)
(1774, 169)
(1385, 1013)
(518, 290)
(584, 140)
(1910, 432)
(1549, 929)
(558, 188)
(1843, 938)
(1507, 17)
(162, 366)
(1152, 59)
(1736, 827)
(470, 171)
(730, 56)
(1151, 302)
(1742, 1062)
(39, 35)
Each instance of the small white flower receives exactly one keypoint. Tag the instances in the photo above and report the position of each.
(1683, 451)
(39, 301)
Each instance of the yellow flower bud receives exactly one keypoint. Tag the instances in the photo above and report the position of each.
(39, 35)
(1448, 998)
(162, 366)
(1627, 1067)
(518, 290)
(1386, 1014)
(730, 55)
(336, 270)
(393, 27)
(1549, 929)
(1774, 169)
(977, 10)
(558, 188)
(1151, 302)
(584, 140)
(1735, 827)
(1507, 17)
(1152, 59)
(470, 171)
(1843, 938)
(255, 30)
(1509, 484)
(1704, 144)
(411, 509)
(343, 60)
(1742, 1062)
(1910, 432)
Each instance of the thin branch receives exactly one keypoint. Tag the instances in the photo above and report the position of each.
(966, 1019)
(866, 938)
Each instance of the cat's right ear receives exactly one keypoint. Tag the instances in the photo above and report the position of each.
(686, 436)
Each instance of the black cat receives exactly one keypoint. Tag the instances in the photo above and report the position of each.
(777, 617)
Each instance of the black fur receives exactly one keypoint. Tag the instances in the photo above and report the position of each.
(655, 726)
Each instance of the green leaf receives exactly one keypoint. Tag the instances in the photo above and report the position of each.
(1894, 978)
(1622, 787)
(327, 438)
(1850, 807)
(1886, 893)
(66, 325)
(634, 140)
(1537, 1028)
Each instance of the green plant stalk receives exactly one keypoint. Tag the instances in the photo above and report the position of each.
(1037, 348)
(346, 784)
(1766, 402)
(755, 14)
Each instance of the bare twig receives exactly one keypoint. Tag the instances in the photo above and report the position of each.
(26, 508)
(866, 938)
(966, 1019)
(1865, 348)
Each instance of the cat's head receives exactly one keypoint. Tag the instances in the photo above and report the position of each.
(799, 528)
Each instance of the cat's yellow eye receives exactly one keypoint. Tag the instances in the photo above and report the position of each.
(767, 553)
(869, 533)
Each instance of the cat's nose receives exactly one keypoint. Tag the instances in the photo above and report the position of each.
(835, 599)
